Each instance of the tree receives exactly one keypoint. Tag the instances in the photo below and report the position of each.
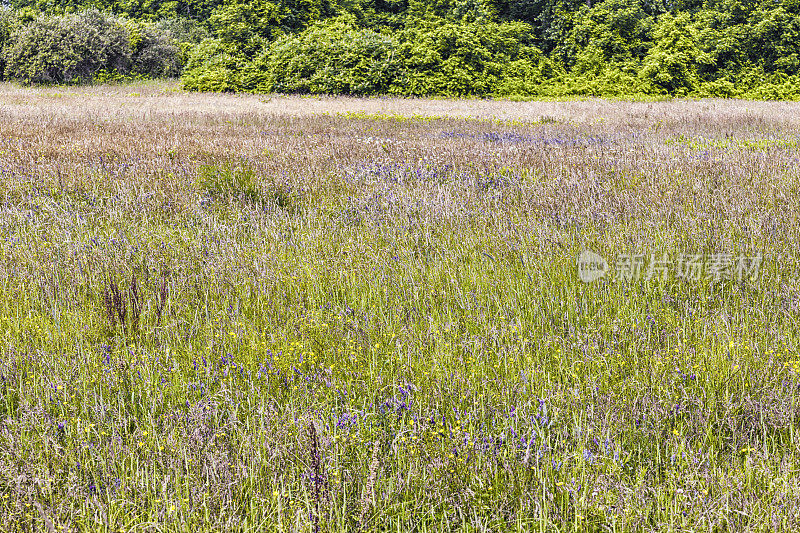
(672, 62)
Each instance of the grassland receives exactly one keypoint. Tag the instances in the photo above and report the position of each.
(226, 313)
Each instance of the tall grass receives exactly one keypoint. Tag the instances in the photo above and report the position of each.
(227, 318)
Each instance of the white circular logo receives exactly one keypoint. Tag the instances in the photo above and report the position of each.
(591, 266)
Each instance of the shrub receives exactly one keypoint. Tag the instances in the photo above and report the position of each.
(213, 66)
(459, 59)
(721, 88)
(156, 54)
(63, 49)
(333, 57)
(246, 25)
(754, 82)
(184, 32)
(775, 40)
(526, 76)
(8, 22)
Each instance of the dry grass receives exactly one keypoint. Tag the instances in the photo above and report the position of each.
(142, 100)
(366, 314)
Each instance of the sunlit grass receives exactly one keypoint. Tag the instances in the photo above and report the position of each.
(373, 321)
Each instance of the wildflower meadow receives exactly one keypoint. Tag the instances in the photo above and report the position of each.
(266, 313)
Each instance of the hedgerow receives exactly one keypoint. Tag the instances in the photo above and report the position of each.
(454, 48)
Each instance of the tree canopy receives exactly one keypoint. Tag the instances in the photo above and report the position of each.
(414, 47)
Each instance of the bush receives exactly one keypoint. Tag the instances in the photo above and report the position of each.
(721, 88)
(754, 82)
(185, 33)
(8, 22)
(333, 57)
(593, 75)
(213, 67)
(156, 54)
(775, 40)
(91, 46)
(527, 76)
(460, 59)
(64, 49)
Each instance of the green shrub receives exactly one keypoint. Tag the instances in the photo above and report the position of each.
(333, 57)
(755, 83)
(612, 79)
(213, 67)
(247, 26)
(527, 76)
(721, 88)
(156, 55)
(432, 58)
(459, 59)
(182, 30)
(8, 23)
(64, 49)
(185, 33)
(724, 48)
(110, 38)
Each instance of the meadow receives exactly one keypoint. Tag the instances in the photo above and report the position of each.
(268, 313)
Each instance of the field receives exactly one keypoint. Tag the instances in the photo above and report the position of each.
(229, 313)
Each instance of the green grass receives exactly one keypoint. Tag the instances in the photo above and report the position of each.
(314, 332)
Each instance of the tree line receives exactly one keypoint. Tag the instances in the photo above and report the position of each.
(487, 48)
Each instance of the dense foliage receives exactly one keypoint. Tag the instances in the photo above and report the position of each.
(411, 47)
(90, 45)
